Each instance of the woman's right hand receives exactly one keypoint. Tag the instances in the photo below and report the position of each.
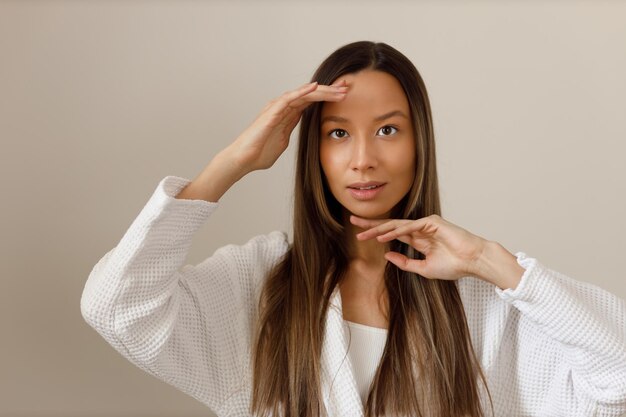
(260, 145)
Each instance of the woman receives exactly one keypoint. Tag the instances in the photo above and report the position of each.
(379, 306)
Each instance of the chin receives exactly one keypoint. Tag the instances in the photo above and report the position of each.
(369, 213)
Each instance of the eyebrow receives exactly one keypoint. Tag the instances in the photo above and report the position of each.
(377, 119)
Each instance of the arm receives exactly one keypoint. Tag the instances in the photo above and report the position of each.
(560, 351)
(215, 179)
(574, 330)
(186, 325)
(190, 325)
(498, 266)
(562, 348)
(568, 337)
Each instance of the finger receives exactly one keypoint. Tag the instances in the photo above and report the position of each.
(420, 227)
(373, 227)
(288, 97)
(337, 89)
(405, 263)
(420, 245)
(366, 223)
(407, 239)
(299, 92)
(292, 114)
(381, 229)
(322, 93)
(295, 102)
(279, 103)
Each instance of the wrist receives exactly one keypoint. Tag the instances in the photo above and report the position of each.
(498, 266)
(227, 158)
(214, 180)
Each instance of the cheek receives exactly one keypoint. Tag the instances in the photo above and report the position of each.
(330, 162)
(404, 163)
(324, 160)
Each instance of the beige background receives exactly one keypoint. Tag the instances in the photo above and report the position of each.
(100, 100)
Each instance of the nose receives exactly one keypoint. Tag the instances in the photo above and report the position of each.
(364, 154)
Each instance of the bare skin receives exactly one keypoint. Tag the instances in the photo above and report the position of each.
(369, 151)
(358, 146)
(259, 145)
(359, 303)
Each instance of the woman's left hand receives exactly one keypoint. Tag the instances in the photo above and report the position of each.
(451, 252)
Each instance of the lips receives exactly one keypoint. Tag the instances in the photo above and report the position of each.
(366, 194)
(358, 185)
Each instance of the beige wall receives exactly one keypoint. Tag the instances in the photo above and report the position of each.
(100, 100)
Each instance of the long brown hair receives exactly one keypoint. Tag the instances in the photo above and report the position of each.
(428, 334)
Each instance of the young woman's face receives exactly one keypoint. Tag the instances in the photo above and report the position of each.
(358, 146)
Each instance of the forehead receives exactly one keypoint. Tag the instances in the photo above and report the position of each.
(370, 94)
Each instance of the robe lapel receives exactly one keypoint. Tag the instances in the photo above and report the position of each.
(486, 318)
(338, 383)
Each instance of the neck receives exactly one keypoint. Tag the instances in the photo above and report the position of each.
(366, 262)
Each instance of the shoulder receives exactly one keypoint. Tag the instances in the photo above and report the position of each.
(238, 269)
(256, 257)
(263, 247)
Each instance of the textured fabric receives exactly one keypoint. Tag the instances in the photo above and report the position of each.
(365, 348)
(553, 346)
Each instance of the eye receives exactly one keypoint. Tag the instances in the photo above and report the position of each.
(337, 130)
(387, 127)
(344, 133)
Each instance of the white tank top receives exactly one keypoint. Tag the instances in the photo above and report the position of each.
(365, 348)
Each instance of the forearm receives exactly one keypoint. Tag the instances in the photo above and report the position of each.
(215, 179)
(498, 266)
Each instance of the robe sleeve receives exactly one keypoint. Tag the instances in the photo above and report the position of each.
(188, 325)
(574, 331)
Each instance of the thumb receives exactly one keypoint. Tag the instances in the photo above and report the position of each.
(405, 263)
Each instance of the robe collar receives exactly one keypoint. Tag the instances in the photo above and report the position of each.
(486, 321)
(339, 386)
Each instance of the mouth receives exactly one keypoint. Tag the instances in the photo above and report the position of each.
(366, 193)
(366, 185)
(371, 187)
